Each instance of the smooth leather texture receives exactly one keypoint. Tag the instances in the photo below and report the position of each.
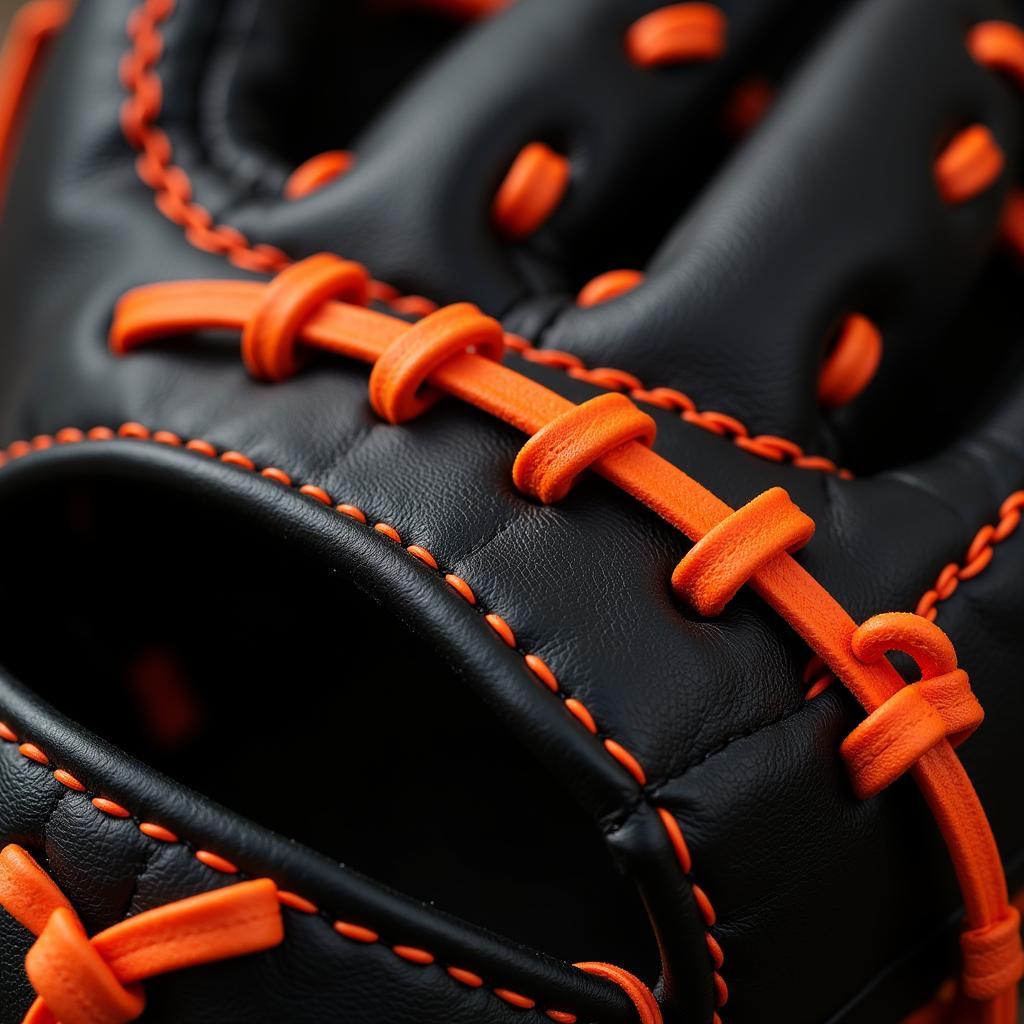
(827, 908)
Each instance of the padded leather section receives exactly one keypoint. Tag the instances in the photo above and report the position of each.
(108, 868)
(828, 204)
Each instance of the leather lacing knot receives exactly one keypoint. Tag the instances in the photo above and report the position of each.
(398, 376)
(727, 556)
(83, 980)
(549, 463)
(270, 336)
(916, 717)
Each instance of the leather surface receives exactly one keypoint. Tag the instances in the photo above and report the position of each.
(827, 908)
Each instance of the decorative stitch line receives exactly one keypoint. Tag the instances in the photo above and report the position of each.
(816, 676)
(173, 195)
(537, 666)
(354, 932)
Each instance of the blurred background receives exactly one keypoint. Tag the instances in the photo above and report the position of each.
(7, 8)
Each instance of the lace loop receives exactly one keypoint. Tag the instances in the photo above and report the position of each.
(63, 963)
(549, 463)
(725, 558)
(82, 980)
(399, 374)
(992, 957)
(916, 717)
(270, 336)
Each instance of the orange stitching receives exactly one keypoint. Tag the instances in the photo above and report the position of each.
(173, 199)
(980, 551)
(979, 554)
(300, 904)
(536, 665)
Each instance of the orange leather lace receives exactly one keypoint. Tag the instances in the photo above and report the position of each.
(456, 351)
(97, 980)
(32, 28)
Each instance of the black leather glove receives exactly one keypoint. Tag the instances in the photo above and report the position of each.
(466, 638)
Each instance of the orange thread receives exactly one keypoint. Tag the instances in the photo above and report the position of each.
(106, 806)
(316, 172)
(67, 779)
(465, 977)
(215, 861)
(413, 954)
(356, 932)
(296, 902)
(515, 999)
(157, 832)
(971, 161)
(33, 753)
(531, 190)
(979, 554)
(501, 627)
(679, 33)
(388, 531)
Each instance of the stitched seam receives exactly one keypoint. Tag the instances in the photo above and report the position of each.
(536, 666)
(299, 904)
(976, 559)
(173, 192)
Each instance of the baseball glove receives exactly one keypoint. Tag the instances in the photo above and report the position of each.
(571, 605)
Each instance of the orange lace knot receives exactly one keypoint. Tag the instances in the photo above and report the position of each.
(639, 994)
(532, 188)
(725, 558)
(63, 963)
(993, 959)
(549, 463)
(83, 980)
(399, 374)
(852, 363)
(270, 336)
(916, 717)
(677, 34)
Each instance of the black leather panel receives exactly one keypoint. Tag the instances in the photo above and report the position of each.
(821, 901)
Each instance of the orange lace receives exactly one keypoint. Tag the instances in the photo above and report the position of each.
(456, 351)
(32, 29)
(82, 980)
